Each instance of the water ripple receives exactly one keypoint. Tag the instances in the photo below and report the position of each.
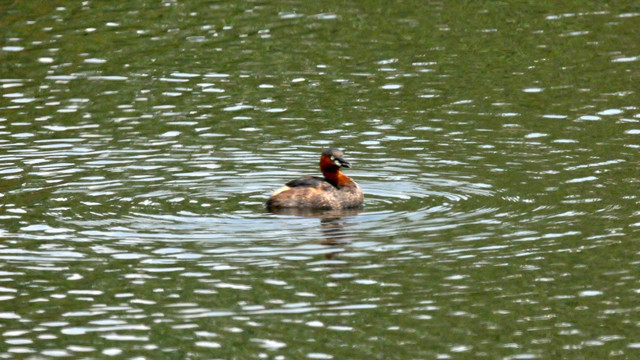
(137, 153)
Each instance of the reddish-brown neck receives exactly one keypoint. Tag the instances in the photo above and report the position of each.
(336, 178)
(332, 172)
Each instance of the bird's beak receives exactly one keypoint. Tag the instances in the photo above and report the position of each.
(339, 161)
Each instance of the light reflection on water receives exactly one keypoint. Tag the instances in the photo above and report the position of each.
(500, 206)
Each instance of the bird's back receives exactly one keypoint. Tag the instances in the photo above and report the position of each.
(315, 193)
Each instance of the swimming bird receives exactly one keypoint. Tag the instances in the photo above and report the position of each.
(333, 191)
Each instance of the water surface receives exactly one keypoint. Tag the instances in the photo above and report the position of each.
(496, 144)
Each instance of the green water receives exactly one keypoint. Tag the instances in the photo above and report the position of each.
(496, 143)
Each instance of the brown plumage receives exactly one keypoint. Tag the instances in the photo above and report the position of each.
(334, 191)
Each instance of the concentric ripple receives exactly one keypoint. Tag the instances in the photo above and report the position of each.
(497, 146)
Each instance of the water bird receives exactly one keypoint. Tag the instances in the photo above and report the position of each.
(333, 191)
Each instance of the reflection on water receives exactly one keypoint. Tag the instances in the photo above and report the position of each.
(334, 225)
(496, 145)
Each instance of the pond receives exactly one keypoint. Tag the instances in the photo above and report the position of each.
(496, 144)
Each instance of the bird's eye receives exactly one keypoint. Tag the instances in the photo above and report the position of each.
(332, 158)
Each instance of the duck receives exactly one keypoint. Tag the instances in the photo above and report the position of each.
(332, 191)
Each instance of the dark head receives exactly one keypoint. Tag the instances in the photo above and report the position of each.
(332, 160)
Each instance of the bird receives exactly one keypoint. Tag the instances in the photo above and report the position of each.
(333, 191)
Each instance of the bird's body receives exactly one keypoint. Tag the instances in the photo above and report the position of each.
(333, 191)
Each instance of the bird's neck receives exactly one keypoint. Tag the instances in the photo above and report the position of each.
(337, 178)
